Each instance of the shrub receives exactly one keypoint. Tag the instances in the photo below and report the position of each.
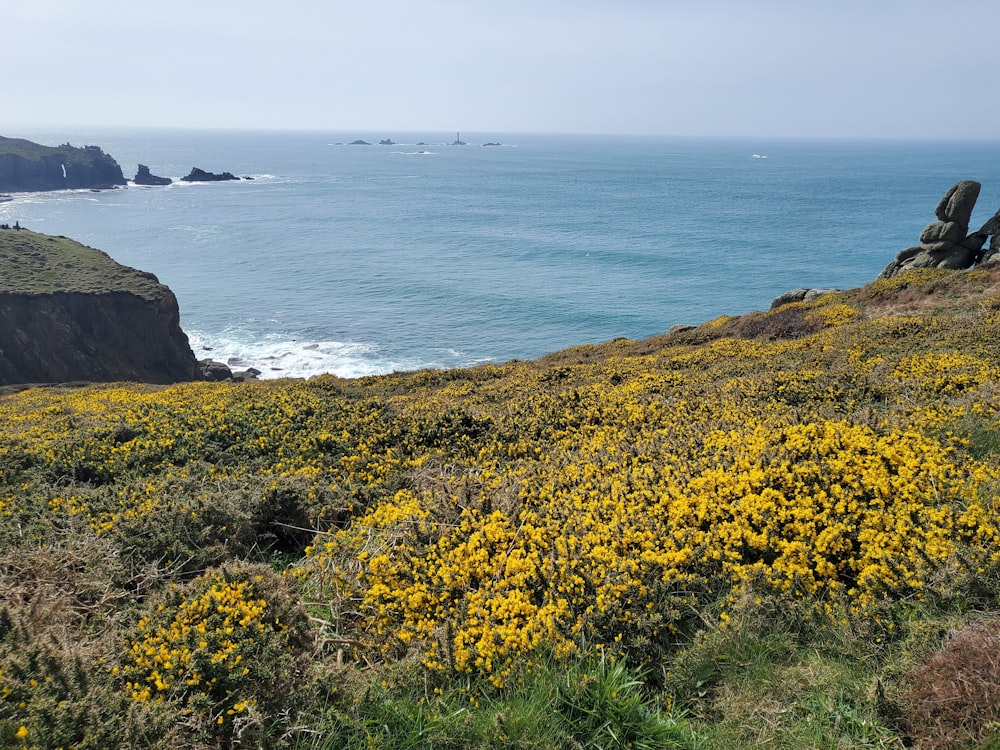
(953, 697)
(226, 650)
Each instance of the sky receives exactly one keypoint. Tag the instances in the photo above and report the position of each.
(758, 68)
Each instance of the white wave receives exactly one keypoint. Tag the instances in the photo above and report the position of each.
(278, 357)
(415, 153)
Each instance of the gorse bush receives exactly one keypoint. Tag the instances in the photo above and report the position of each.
(241, 557)
(227, 648)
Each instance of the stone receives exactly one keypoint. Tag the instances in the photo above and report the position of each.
(786, 298)
(958, 203)
(946, 243)
(144, 177)
(799, 295)
(214, 371)
(942, 231)
(200, 175)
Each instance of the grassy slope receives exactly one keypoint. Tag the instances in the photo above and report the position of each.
(35, 151)
(32, 263)
(772, 519)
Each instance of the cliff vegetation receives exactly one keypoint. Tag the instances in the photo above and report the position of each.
(72, 313)
(774, 530)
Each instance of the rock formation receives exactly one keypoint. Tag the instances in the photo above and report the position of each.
(26, 166)
(799, 295)
(991, 229)
(200, 175)
(947, 243)
(70, 313)
(144, 177)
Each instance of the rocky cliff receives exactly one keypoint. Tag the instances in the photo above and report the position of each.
(27, 166)
(70, 313)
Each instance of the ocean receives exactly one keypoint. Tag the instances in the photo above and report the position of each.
(358, 260)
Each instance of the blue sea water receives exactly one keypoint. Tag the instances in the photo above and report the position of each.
(357, 260)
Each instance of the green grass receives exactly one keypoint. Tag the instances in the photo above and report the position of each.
(33, 263)
(35, 151)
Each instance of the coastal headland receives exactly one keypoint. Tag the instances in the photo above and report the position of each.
(773, 529)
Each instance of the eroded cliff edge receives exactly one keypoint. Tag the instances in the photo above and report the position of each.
(70, 313)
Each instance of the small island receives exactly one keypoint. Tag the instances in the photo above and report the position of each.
(200, 175)
(146, 178)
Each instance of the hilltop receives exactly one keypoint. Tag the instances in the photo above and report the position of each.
(71, 313)
(34, 263)
(771, 530)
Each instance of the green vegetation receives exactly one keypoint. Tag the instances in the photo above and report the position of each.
(32, 263)
(778, 530)
(36, 152)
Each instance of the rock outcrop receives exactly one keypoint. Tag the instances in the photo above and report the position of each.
(70, 313)
(799, 295)
(27, 167)
(200, 175)
(947, 243)
(145, 177)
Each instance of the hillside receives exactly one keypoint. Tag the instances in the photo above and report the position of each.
(773, 530)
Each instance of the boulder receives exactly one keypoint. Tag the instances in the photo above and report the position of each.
(214, 371)
(200, 175)
(145, 177)
(799, 295)
(943, 231)
(958, 203)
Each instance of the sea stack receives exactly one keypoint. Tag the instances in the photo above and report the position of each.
(144, 177)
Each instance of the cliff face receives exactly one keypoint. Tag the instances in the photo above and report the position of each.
(27, 166)
(70, 313)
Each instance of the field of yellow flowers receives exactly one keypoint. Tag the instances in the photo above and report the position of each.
(805, 496)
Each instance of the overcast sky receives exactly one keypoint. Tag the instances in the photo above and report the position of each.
(843, 68)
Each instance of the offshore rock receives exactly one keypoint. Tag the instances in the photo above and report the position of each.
(947, 243)
(27, 167)
(200, 175)
(70, 313)
(144, 177)
(214, 371)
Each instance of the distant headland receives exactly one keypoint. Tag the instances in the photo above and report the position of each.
(29, 167)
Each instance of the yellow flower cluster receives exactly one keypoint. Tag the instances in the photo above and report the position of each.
(200, 644)
(603, 494)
